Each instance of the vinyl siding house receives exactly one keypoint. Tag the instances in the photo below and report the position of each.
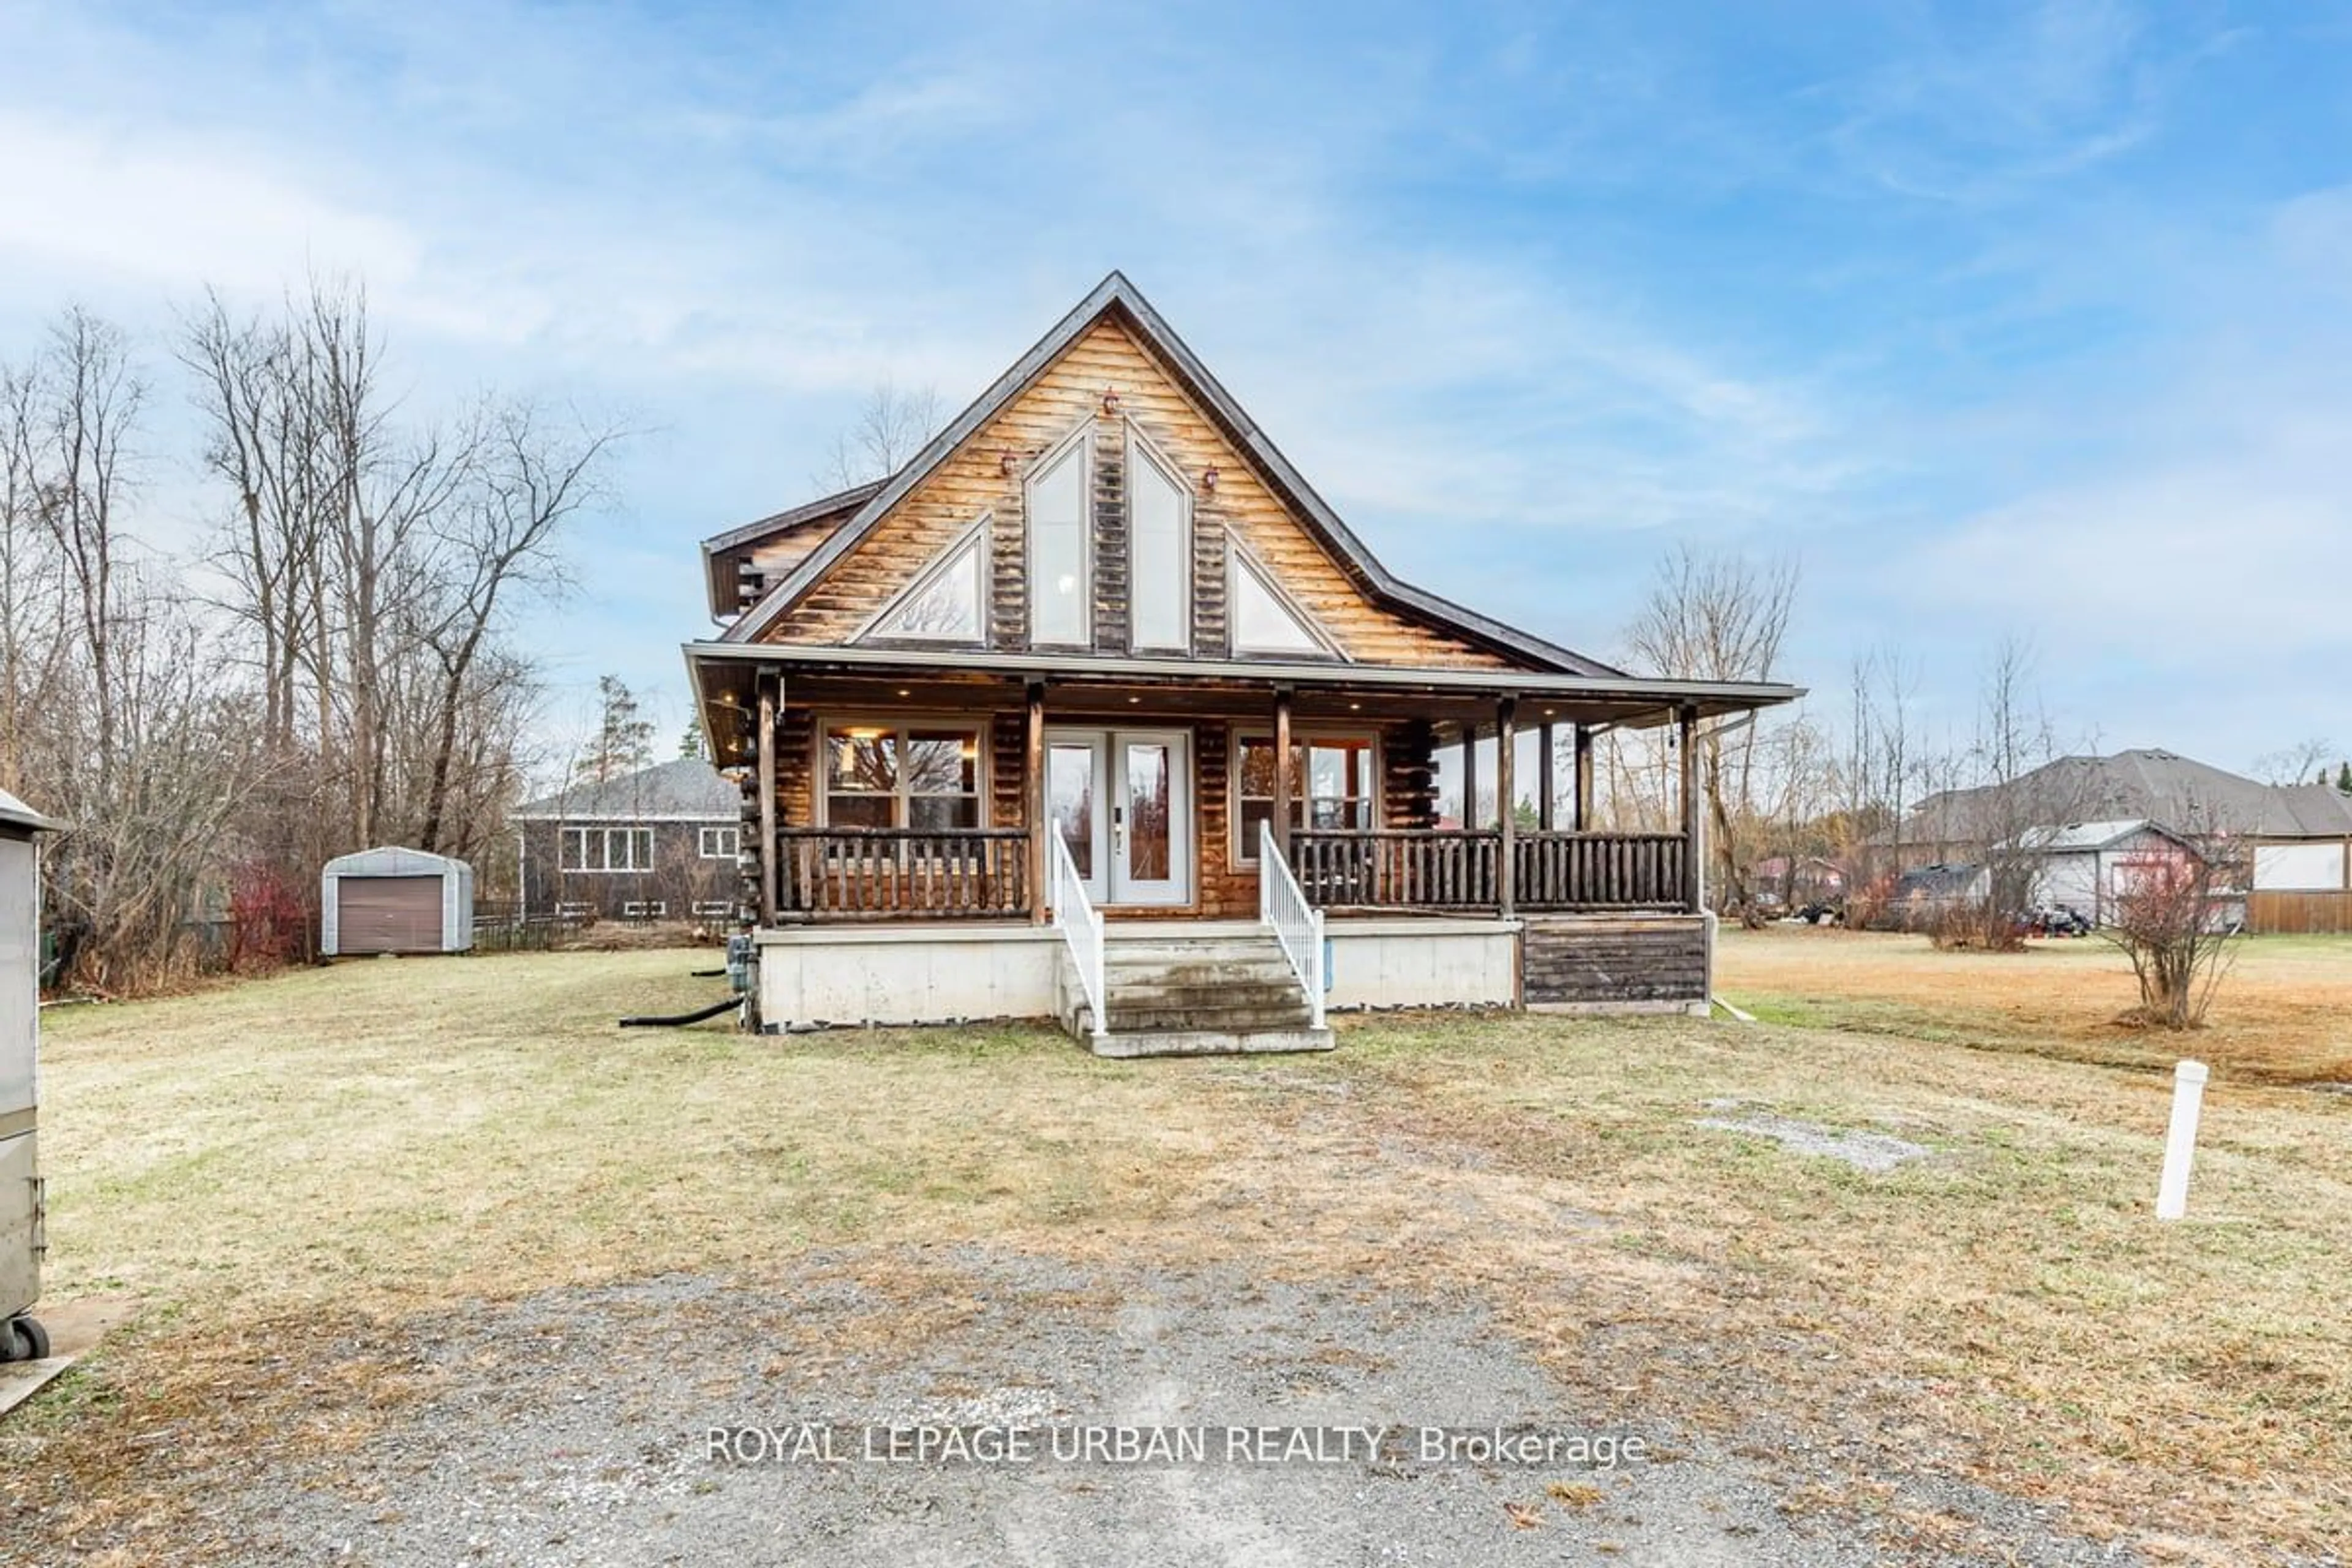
(2296, 838)
(2087, 866)
(657, 844)
(1095, 710)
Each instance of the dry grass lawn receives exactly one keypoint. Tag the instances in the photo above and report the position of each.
(2284, 1013)
(286, 1171)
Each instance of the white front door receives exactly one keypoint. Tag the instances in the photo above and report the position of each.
(1122, 800)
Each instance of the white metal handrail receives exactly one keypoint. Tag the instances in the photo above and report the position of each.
(1298, 925)
(1081, 925)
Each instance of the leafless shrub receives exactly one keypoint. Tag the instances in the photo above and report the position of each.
(2169, 918)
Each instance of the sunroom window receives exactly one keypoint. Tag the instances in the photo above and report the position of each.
(920, 776)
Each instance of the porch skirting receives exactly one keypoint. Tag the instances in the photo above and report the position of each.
(967, 972)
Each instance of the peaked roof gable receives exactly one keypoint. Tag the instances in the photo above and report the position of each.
(1117, 298)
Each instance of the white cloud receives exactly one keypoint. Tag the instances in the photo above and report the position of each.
(175, 209)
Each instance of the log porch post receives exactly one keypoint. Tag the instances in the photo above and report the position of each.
(1694, 888)
(1283, 781)
(1583, 817)
(1469, 778)
(1546, 789)
(763, 753)
(1034, 764)
(1506, 825)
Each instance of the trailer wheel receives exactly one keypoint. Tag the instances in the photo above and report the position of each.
(27, 1340)
(31, 1340)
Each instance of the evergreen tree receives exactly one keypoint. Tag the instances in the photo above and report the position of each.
(2344, 778)
(624, 739)
(689, 745)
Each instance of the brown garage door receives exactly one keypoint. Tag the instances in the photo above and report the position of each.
(388, 914)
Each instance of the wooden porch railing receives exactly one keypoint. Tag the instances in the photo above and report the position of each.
(1396, 867)
(1445, 869)
(1599, 871)
(894, 873)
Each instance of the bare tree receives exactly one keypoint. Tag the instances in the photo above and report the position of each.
(137, 743)
(891, 426)
(2168, 917)
(1721, 618)
(2300, 763)
(498, 546)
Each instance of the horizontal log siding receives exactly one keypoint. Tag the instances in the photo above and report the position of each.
(1007, 762)
(1588, 962)
(1228, 889)
(1112, 555)
(1409, 776)
(1070, 391)
(796, 769)
(772, 559)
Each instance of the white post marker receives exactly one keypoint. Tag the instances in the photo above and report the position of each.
(2180, 1143)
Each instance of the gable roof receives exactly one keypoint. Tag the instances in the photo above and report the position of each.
(2082, 837)
(688, 789)
(20, 820)
(724, 553)
(2158, 786)
(1115, 297)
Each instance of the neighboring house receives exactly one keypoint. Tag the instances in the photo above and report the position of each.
(2088, 866)
(1102, 600)
(2300, 836)
(657, 844)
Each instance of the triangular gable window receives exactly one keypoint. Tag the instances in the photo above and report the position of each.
(1263, 620)
(945, 604)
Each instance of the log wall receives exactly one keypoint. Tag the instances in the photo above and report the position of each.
(1583, 961)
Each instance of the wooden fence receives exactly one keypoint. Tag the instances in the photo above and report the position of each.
(2300, 914)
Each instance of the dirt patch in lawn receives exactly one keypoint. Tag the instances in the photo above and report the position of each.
(2283, 1014)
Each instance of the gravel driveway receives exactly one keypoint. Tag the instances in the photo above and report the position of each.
(579, 1427)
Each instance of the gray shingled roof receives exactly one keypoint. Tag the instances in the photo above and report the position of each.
(2162, 787)
(688, 789)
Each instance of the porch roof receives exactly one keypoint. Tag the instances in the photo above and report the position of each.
(723, 674)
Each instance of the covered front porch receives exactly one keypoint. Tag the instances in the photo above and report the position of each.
(928, 843)
(881, 790)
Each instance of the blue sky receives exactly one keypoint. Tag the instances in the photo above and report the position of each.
(2002, 319)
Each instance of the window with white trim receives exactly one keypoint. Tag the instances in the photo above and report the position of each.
(1159, 550)
(1061, 576)
(705, 909)
(716, 843)
(645, 909)
(1264, 621)
(904, 774)
(607, 849)
(1335, 781)
(947, 602)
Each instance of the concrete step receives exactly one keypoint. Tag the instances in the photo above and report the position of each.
(1123, 1020)
(1209, 1042)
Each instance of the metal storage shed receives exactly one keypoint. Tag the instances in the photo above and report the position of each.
(396, 900)
(21, 1338)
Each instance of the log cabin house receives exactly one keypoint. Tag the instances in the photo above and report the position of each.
(1096, 710)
